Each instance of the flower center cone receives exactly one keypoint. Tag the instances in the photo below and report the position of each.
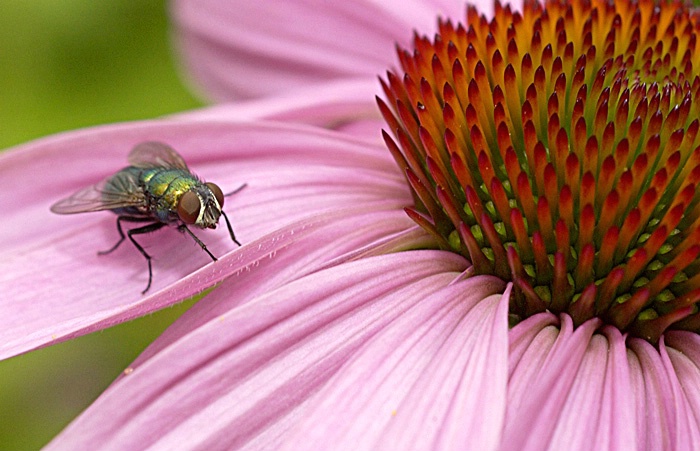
(557, 148)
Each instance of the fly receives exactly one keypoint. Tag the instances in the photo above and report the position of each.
(156, 188)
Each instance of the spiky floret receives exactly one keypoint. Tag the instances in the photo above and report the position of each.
(558, 148)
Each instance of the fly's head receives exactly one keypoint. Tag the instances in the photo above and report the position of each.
(201, 206)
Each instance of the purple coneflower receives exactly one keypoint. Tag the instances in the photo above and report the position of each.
(527, 279)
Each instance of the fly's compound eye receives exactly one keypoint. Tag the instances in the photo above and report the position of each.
(217, 193)
(188, 207)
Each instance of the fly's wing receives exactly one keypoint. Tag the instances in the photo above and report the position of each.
(156, 154)
(118, 191)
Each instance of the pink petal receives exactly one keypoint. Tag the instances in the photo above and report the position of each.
(468, 376)
(663, 380)
(329, 105)
(524, 333)
(56, 287)
(650, 388)
(414, 384)
(252, 48)
(667, 421)
(598, 409)
(252, 375)
(343, 105)
(617, 405)
(315, 246)
(684, 353)
(551, 385)
(688, 424)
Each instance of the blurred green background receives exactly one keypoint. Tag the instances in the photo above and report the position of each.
(66, 64)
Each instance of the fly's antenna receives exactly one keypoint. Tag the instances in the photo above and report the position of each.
(237, 190)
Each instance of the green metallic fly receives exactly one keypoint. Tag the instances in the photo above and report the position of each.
(157, 188)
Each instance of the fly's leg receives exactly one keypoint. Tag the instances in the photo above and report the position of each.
(122, 237)
(183, 228)
(228, 223)
(230, 229)
(141, 230)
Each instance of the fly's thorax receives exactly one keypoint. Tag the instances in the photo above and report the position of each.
(165, 187)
